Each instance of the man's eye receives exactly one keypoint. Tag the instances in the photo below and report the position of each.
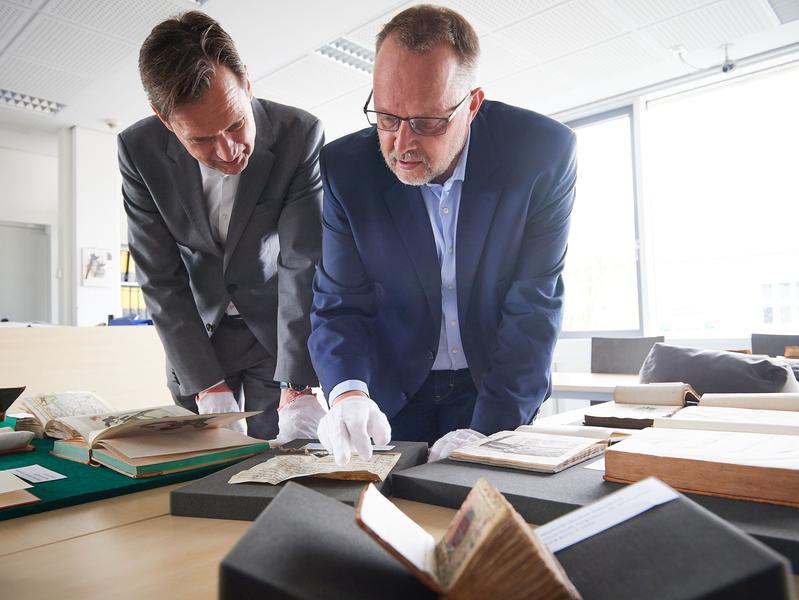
(237, 126)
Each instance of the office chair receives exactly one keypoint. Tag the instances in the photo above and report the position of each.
(772, 345)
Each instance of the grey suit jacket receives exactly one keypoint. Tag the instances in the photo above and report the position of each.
(268, 261)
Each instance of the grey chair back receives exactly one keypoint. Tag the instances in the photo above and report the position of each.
(772, 345)
(620, 355)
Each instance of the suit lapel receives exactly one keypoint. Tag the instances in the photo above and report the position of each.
(187, 183)
(479, 197)
(407, 208)
(253, 180)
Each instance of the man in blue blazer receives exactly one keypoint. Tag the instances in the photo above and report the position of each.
(439, 295)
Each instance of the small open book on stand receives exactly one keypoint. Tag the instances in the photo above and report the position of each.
(488, 550)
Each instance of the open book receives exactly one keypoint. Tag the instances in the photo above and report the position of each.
(746, 466)
(755, 413)
(636, 406)
(44, 408)
(530, 449)
(152, 441)
(488, 551)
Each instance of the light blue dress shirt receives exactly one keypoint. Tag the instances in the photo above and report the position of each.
(442, 202)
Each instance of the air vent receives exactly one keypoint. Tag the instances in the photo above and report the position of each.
(350, 54)
(27, 102)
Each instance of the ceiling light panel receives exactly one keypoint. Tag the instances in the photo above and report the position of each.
(31, 103)
(349, 54)
(785, 10)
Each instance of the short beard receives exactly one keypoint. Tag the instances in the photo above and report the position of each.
(425, 177)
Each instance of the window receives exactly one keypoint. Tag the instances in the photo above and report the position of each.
(601, 274)
(721, 190)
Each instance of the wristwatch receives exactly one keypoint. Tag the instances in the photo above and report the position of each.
(296, 387)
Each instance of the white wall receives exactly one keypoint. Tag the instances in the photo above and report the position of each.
(89, 218)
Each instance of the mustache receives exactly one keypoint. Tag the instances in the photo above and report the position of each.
(411, 155)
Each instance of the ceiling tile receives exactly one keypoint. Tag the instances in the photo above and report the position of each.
(130, 21)
(564, 29)
(27, 77)
(64, 46)
(496, 15)
(529, 89)
(647, 12)
(309, 82)
(500, 57)
(712, 25)
(12, 19)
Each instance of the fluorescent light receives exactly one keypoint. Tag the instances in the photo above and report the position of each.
(28, 102)
(350, 54)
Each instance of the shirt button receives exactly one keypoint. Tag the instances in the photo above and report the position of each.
(454, 350)
(452, 323)
(445, 210)
(450, 249)
(450, 286)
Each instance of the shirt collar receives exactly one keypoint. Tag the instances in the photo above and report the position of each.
(459, 173)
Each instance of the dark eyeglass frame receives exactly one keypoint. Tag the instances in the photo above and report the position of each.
(416, 120)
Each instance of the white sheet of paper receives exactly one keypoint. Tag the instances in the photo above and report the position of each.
(11, 483)
(595, 518)
(597, 465)
(317, 446)
(36, 474)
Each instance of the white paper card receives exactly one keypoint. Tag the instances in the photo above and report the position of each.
(11, 483)
(317, 446)
(620, 506)
(597, 465)
(36, 474)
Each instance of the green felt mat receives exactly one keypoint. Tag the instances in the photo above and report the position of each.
(84, 483)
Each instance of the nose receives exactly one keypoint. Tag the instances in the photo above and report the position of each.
(226, 148)
(404, 137)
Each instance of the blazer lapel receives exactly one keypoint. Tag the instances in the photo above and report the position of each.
(253, 180)
(407, 208)
(479, 197)
(187, 183)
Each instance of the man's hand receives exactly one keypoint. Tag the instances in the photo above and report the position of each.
(452, 441)
(297, 416)
(220, 399)
(351, 422)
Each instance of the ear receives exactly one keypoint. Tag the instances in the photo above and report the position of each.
(161, 118)
(477, 100)
(249, 83)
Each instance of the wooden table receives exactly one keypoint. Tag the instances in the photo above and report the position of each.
(131, 547)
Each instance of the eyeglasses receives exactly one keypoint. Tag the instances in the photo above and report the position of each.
(419, 125)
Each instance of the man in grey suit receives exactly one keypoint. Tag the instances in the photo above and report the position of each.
(223, 197)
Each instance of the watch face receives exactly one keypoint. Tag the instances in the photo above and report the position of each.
(296, 387)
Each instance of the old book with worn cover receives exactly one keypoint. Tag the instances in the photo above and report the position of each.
(488, 551)
(636, 406)
(745, 466)
(532, 450)
(153, 441)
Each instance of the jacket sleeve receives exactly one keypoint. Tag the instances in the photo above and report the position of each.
(300, 233)
(165, 284)
(344, 310)
(517, 379)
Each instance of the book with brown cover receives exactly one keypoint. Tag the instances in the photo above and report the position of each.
(488, 551)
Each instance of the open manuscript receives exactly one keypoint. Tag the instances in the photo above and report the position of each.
(488, 551)
(152, 441)
(43, 410)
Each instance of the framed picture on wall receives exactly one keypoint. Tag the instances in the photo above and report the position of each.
(96, 267)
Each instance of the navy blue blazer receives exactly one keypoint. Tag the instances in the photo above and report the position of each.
(377, 291)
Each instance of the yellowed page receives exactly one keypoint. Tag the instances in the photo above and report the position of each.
(290, 466)
(138, 446)
(778, 401)
(723, 418)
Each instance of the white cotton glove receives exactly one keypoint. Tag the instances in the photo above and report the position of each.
(213, 402)
(349, 425)
(452, 441)
(298, 419)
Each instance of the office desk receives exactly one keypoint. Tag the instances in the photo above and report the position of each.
(130, 547)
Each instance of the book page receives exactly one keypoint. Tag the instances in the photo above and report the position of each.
(290, 466)
(599, 433)
(753, 449)
(777, 401)
(381, 519)
(478, 513)
(722, 418)
(140, 446)
(524, 449)
(46, 407)
(661, 394)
